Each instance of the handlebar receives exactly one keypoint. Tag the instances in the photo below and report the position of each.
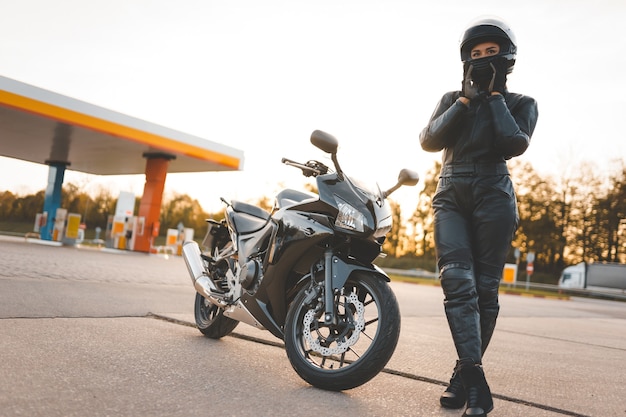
(310, 168)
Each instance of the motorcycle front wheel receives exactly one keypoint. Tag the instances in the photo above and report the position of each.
(210, 319)
(354, 349)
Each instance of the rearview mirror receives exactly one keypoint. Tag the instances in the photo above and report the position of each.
(408, 177)
(324, 141)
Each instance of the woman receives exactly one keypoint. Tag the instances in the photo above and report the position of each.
(475, 209)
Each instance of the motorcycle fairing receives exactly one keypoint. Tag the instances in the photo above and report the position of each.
(253, 244)
(297, 248)
(330, 188)
(297, 232)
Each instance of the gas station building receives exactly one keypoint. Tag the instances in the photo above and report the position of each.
(44, 127)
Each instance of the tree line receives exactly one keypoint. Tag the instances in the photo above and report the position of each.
(95, 208)
(566, 220)
(579, 216)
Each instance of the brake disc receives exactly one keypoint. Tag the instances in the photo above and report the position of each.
(340, 346)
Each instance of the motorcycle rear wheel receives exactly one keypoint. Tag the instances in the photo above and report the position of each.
(336, 357)
(210, 319)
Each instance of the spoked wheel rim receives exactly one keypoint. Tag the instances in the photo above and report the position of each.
(206, 313)
(355, 348)
(335, 347)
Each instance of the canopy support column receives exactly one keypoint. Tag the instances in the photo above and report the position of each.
(52, 198)
(150, 205)
(58, 161)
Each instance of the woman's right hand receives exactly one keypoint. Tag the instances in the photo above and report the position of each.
(469, 91)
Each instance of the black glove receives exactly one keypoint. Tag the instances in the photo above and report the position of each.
(498, 79)
(468, 88)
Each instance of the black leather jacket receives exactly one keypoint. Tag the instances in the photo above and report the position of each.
(490, 130)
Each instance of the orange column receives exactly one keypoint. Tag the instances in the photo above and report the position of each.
(150, 206)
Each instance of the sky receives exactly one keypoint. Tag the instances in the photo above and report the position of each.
(260, 76)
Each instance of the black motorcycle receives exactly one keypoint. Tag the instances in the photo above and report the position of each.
(304, 272)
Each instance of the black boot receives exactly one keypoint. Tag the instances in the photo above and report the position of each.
(454, 396)
(479, 400)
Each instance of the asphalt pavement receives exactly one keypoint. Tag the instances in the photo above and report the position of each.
(110, 333)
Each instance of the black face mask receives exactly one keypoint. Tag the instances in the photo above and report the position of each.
(482, 71)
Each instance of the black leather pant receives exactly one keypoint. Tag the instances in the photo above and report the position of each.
(475, 219)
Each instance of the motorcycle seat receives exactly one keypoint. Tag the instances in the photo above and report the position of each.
(241, 207)
(291, 197)
(248, 218)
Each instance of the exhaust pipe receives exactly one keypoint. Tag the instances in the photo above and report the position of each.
(207, 288)
(202, 283)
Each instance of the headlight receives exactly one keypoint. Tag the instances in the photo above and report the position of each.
(349, 217)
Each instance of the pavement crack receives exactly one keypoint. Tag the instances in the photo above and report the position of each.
(233, 334)
(388, 371)
(498, 396)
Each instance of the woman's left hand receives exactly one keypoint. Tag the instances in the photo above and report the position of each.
(498, 79)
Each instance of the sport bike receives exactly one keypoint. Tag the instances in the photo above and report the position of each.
(304, 272)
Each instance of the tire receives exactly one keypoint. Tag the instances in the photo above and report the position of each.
(343, 356)
(210, 319)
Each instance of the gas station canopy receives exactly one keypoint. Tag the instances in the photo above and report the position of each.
(44, 127)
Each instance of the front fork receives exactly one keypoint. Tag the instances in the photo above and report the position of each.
(329, 304)
(336, 273)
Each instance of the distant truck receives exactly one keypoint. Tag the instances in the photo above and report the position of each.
(594, 276)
